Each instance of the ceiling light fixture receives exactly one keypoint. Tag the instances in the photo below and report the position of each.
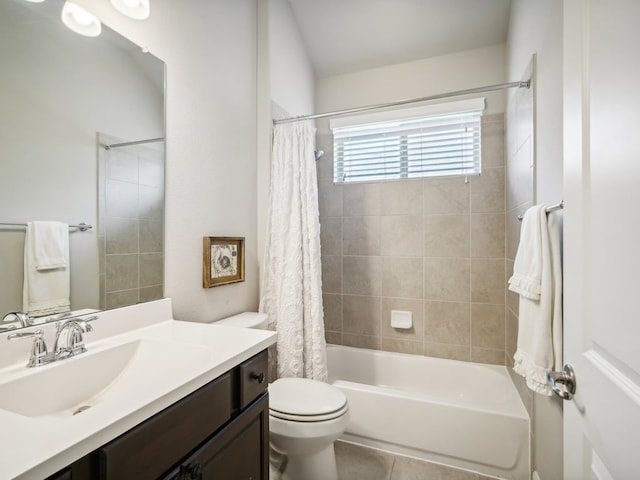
(80, 20)
(137, 9)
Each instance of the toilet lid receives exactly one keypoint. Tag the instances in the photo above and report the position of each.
(303, 396)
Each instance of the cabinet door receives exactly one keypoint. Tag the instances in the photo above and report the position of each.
(239, 452)
(61, 475)
(152, 448)
(238, 460)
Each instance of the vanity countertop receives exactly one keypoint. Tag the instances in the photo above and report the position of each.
(161, 362)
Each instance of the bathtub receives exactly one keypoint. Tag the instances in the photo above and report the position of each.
(466, 415)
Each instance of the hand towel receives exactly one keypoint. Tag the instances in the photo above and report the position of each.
(50, 242)
(46, 287)
(527, 268)
(539, 345)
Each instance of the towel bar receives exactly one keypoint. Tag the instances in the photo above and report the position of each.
(82, 226)
(552, 208)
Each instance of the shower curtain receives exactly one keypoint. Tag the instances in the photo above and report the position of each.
(292, 283)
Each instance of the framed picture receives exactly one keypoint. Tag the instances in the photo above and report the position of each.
(223, 261)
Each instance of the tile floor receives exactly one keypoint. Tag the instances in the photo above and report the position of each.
(356, 462)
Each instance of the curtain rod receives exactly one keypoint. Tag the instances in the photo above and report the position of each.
(471, 91)
(126, 144)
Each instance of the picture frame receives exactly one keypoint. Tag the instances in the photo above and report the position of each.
(223, 261)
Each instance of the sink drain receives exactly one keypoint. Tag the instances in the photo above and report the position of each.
(81, 409)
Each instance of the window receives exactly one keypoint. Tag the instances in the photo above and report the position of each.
(424, 142)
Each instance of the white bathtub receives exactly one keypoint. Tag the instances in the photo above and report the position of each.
(462, 414)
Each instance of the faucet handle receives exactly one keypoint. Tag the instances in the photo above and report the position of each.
(60, 316)
(39, 353)
(37, 333)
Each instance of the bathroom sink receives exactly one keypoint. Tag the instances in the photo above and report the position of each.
(68, 387)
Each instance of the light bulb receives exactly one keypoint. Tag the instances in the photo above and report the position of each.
(80, 20)
(82, 17)
(138, 9)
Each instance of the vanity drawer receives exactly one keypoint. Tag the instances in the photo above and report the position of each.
(253, 378)
(149, 450)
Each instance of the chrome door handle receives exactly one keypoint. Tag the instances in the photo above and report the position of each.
(565, 377)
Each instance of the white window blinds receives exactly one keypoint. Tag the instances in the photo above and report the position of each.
(431, 144)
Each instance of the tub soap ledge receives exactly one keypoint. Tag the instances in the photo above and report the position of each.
(401, 319)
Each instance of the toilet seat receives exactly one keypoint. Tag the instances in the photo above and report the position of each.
(308, 418)
(305, 400)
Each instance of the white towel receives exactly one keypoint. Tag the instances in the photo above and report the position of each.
(46, 288)
(539, 345)
(50, 243)
(527, 269)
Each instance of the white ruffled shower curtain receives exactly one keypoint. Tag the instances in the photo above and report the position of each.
(292, 280)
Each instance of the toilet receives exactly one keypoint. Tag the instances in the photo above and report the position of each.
(305, 418)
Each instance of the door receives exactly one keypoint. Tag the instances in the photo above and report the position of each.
(602, 237)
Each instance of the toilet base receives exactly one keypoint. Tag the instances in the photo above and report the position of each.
(320, 465)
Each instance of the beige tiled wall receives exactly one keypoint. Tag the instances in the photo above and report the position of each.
(131, 230)
(435, 247)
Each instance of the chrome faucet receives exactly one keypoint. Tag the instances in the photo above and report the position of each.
(69, 341)
(21, 317)
(10, 320)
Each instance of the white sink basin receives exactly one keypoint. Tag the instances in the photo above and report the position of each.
(73, 385)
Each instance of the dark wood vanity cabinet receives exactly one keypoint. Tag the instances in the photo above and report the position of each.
(220, 431)
(235, 453)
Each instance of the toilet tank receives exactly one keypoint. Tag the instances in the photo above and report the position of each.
(246, 320)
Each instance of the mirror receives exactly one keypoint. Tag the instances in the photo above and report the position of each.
(62, 97)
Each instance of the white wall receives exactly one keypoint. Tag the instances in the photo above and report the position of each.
(291, 72)
(536, 27)
(459, 71)
(210, 50)
(286, 78)
(264, 129)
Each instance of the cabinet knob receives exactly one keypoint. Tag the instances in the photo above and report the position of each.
(257, 376)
